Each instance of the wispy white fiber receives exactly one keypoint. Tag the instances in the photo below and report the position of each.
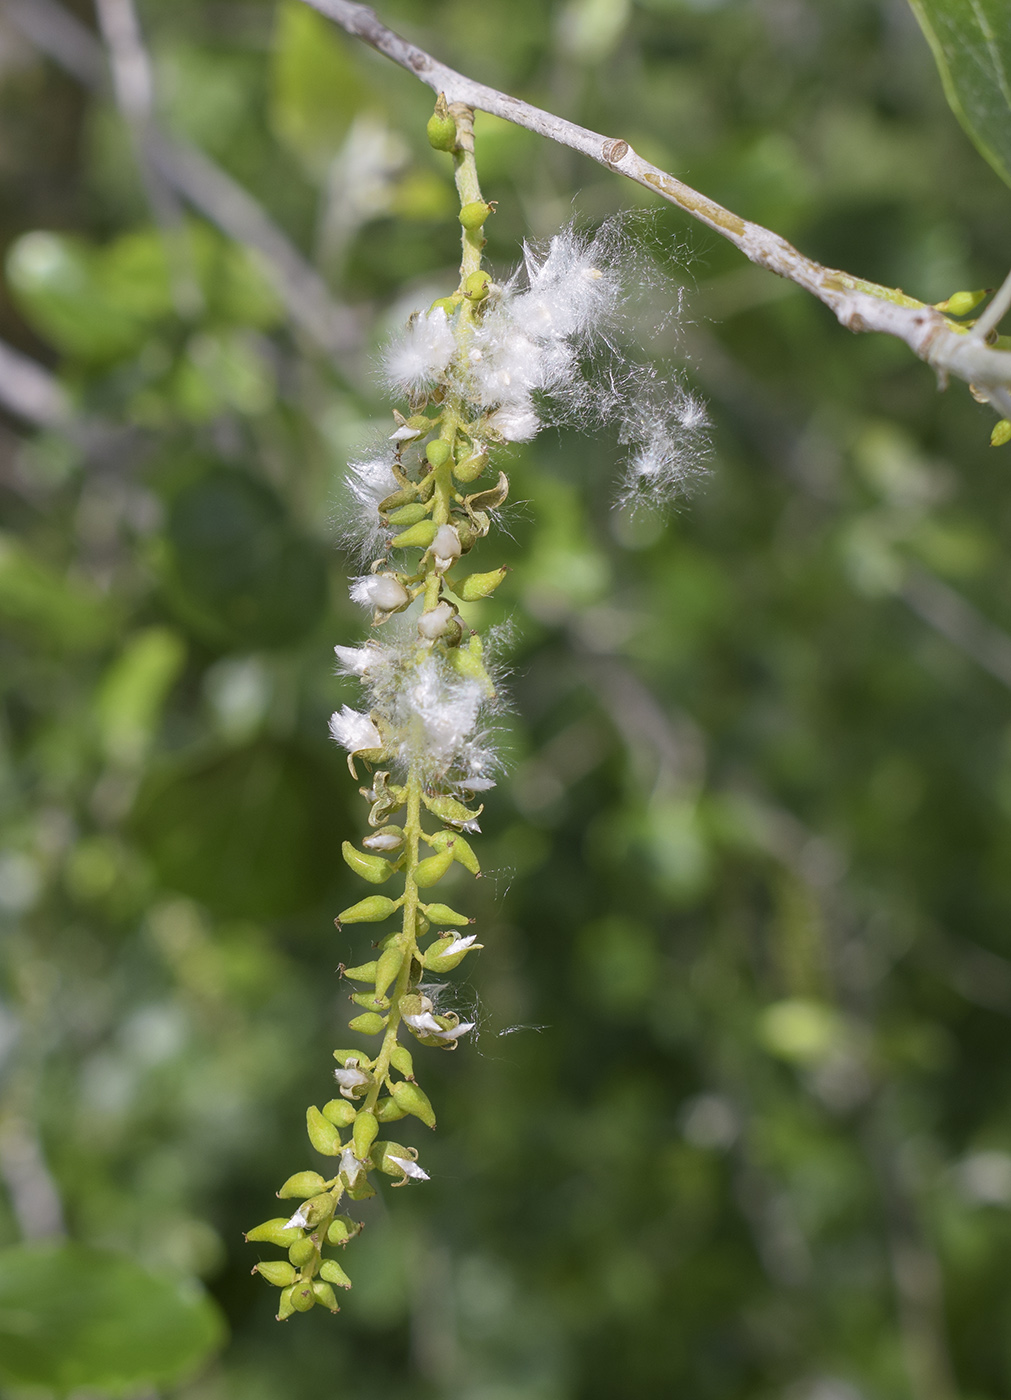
(417, 359)
(368, 481)
(430, 717)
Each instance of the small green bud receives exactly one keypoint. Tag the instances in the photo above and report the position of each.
(366, 1130)
(276, 1271)
(409, 514)
(339, 1112)
(432, 869)
(274, 1232)
(476, 586)
(387, 968)
(448, 809)
(368, 1023)
(471, 468)
(375, 869)
(419, 536)
(438, 452)
(962, 302)
(342, 1228)
(400, 1059)
(442, 914)
(441, 132)
(322, 1134)
(301, 1252)
(331, 1272)
(302, 1297)
(302, 1184)
(324, 1295)
(368, 911)
(473, 215)
(414, 1100)
(1001, 433)
(389, 1111)
(370, 1001)
(285, 1307)
(476, 286)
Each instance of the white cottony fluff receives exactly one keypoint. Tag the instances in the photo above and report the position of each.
(410, 1168)
(380, 591)
(354, 731)
(424, 1022)
(420, 355)
(457, 1031)
(431, 717)
(458, 945)
(368, 481)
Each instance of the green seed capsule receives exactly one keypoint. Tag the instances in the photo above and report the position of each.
(366, 972)
(360, 1058)
(441, 132)
(473, 215)
(375, 869)
(324, 1295)
(368, 911)
(301, 1252)
(476, 586)
(389, 1111)
(319, 1208)
(408, 515)
(442, 914)
(339, 1112)
(471, 468)
(366, 1131)
(368, 1023)
(448, 808)
(438, 452)
(331, 1272)
(1001, 433)
(276, 1271)
(387, 969)
(414, 1100)
(322, 1134)
(462, 850)
(400, 1059)
(476, 286)
(342, 1228)
(302, 1297)
(302, 1184)
(274, 1232)
(432, 869)
(418, 536)
(285, 1308)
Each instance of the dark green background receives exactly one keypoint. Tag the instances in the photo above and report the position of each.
(735, 1121)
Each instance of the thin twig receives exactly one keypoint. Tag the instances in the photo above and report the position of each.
(859, 305)
(29, 391)
(334, 328)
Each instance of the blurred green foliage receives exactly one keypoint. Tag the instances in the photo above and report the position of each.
(736, 1124)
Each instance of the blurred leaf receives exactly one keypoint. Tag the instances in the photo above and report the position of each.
(73, 1318)
(251, 833)
(100, 304)
(46, 606)
(316, 89)
(133, 690)
(236, 570)
(972, 48)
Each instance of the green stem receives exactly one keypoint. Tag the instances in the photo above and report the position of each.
(408, 939)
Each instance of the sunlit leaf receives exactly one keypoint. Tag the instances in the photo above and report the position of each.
(971, 40)
(72, 1318)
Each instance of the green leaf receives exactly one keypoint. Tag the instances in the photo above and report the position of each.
(74, 1318)
(971, 40)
